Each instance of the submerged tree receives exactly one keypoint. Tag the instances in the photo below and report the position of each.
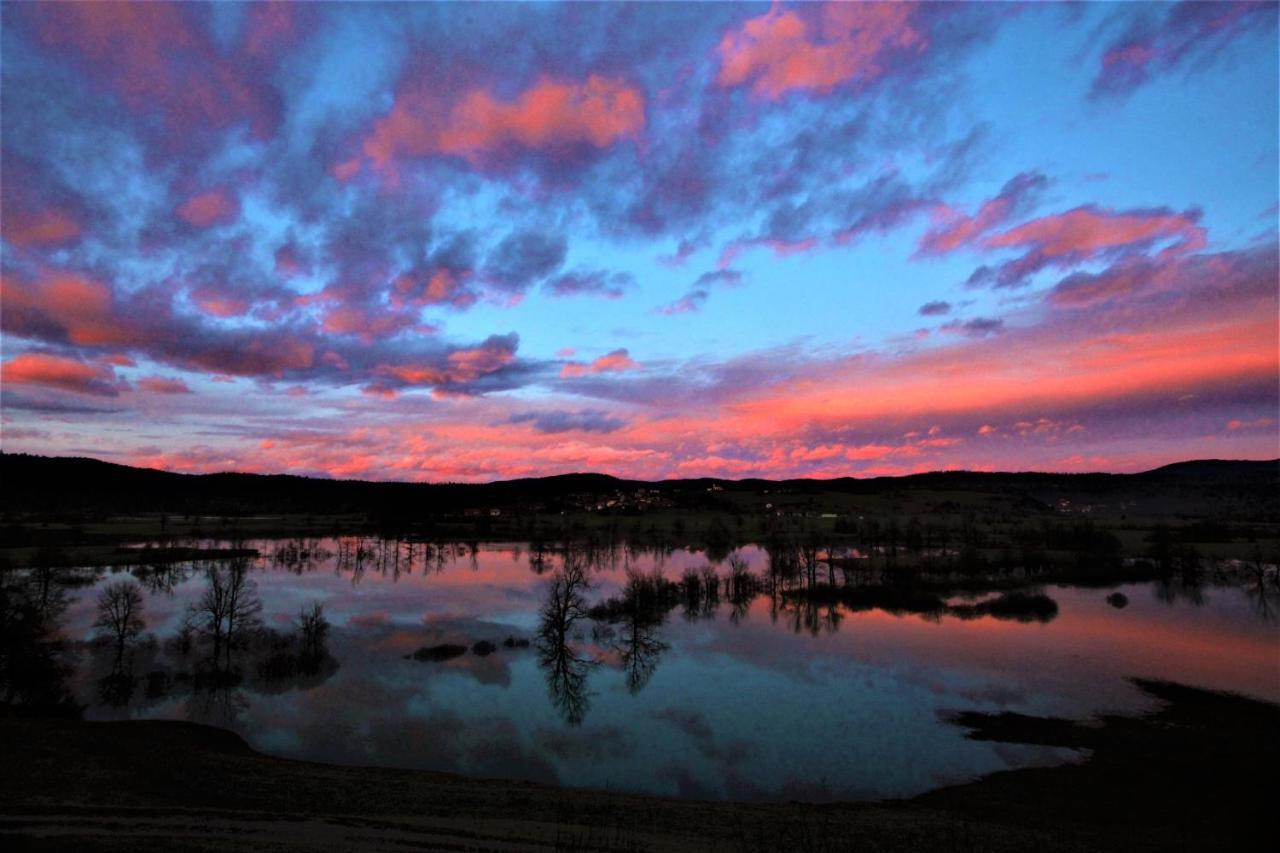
(210, 612)
(244, 605)
(228, 608)
(120, 616)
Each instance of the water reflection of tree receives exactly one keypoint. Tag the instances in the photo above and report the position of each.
(1263, 600)
(741, 587)
(299, 555)
(565, 667)
(220, 653)
(639, 647)
(1180, 589)
(814, 618)
(1261, 594)
(216, 702)
(161, 577)
(701, 592)
(538, 557)
(119, 623)
(41, 588)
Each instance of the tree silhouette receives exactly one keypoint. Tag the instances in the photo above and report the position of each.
(228, 608)
(640, 612)
(566, 670)
(314, 630)
(120, 616)
(34, 666)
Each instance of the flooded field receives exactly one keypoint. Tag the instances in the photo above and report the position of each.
(654, 672)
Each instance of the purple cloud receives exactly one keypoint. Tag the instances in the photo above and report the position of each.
(592, 283)
(556, 421)
(1166, 37)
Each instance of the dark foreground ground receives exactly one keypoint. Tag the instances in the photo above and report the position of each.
(1198, 773)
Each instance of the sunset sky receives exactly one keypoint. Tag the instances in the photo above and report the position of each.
(482, 241)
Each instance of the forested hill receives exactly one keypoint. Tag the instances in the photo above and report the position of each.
(54, 484)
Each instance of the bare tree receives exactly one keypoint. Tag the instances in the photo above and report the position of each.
(120, 615)
(243, 603)
(228, 607)
(811, 543)
(210, 612)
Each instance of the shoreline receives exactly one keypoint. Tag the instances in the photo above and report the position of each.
(1196, 772)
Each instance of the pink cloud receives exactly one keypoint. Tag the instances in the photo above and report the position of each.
(1185, 34)
(118, 360)
(780, 248)
(66, 374)
(1256, 423)
(212, 207)
(157, 59)
(552, 113)
(477, 361)
(366, 323)
(270, 27)
(82, 306)
(816, 50)
(436, 287)
(288, 262)
(868, 452)
(613, 362)
(953, 229)
(462, 366)
(1223, 273)
(163, 385)
(346, 170)
(1086, 233)
(1090, 230)
(44, 227)
(217, 304)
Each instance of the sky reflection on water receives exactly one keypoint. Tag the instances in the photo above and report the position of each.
(770, 702)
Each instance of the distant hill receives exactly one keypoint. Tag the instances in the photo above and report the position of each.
(50, 484)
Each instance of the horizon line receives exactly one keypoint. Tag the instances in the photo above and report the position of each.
(321, 477)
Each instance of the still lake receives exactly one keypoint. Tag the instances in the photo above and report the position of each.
(764, 699)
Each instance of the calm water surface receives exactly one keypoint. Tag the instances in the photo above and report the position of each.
(765, 700)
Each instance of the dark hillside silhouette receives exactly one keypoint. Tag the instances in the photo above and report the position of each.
(66, 485)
